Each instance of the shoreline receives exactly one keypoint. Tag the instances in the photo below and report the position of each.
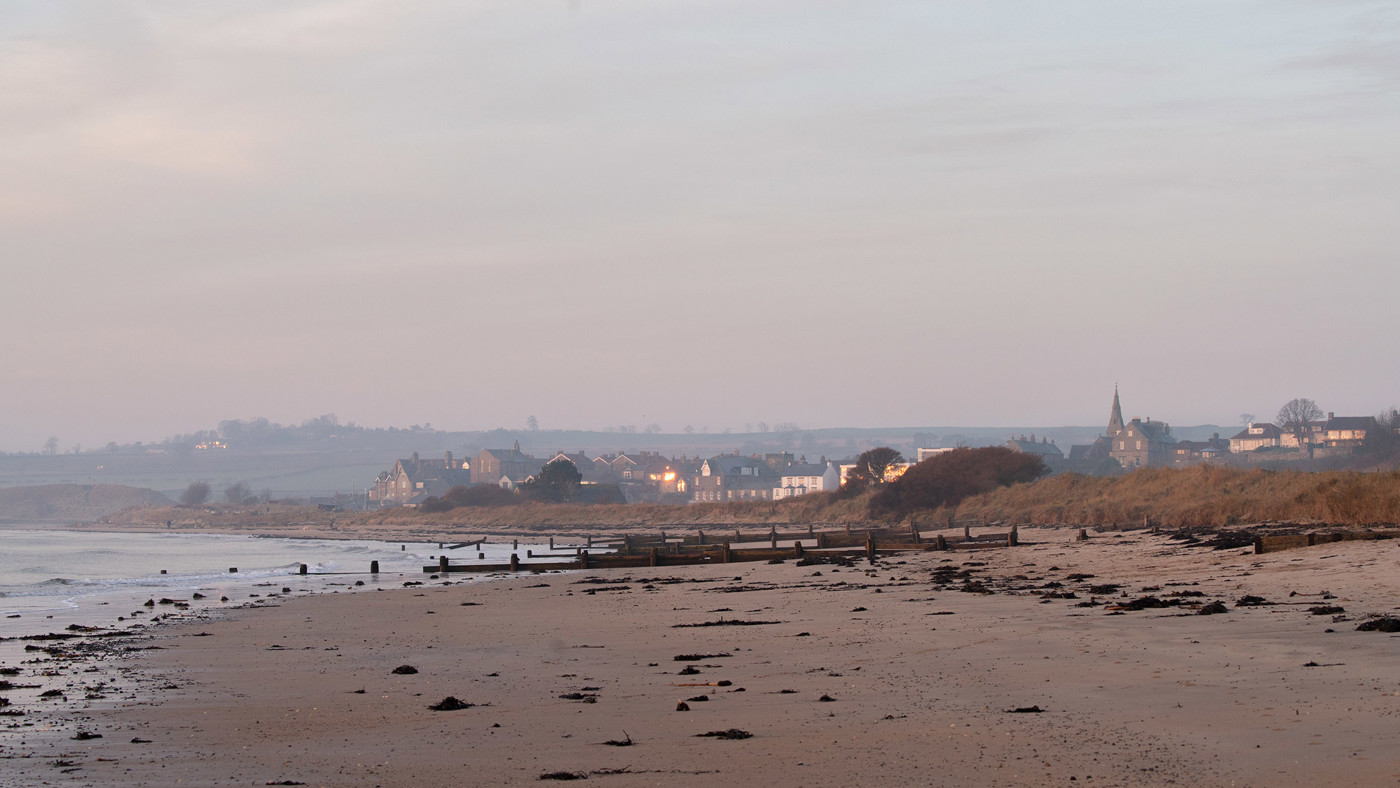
(926, 657)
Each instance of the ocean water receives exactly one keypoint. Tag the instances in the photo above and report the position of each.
(51, 579)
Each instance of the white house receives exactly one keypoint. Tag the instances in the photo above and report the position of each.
(800, 479)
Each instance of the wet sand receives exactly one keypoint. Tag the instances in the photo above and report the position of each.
(908, 672)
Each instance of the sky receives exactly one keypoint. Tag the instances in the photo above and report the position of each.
(693, 213)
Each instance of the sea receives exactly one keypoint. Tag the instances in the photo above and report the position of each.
(52, 579)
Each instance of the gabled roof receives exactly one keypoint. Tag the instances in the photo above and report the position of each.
(1350, 423)
(1269, 431)
(1032, 447)
(510, 455)
(805, 469)
(729, 465)
(1158, 431)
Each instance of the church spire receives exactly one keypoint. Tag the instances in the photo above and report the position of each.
(1115, 419)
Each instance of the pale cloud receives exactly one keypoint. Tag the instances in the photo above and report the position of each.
(194, 146)
(303, 28)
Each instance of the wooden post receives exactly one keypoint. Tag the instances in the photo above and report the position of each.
(1258, 545)
(809, 529)
(551, 543)
(724, 553)
(590, 540)
(301, 570)
(737, 537)
(848, 529)
(515, 545)
(773, 539)
(481, 556)
(233, 570)
(374, 567)
(442, 564)
(940, 542)
(797, 548)
(1312, 539)
(821, 540)
(583, 560)
(914, 532)
(1083, 535)
(699, 536)
(870, 544)
(967, 533)
(514, 562)
(654, 557)
(439, 545)
(1014, 539)
(675, 548)
(529, 553)
(626, 544)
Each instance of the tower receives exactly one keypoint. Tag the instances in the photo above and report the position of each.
(1115, 419)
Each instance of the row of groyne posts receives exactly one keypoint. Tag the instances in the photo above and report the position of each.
(661, 549)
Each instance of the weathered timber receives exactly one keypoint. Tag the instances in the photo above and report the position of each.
(1273, 544)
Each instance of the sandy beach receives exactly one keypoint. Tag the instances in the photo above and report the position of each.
(997, 667)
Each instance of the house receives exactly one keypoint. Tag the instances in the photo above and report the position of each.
(1047, 451)
(729, 477)
(1346, 431)
(414, 479)
(1256, 436)
(1142, 443)
(1192, 452)
(801, 478)
(493, 465)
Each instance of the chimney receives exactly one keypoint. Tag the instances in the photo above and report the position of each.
(1331, 415)
(415, 461)
(449, 460)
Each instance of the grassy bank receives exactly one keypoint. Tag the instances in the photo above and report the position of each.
(1203, 496)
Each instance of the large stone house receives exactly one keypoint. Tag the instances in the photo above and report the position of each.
(1047, 451)
(415, 479)
(729, 477)
(493, 466)
(1140, 442)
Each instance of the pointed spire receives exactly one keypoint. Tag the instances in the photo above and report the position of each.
(1115, 419)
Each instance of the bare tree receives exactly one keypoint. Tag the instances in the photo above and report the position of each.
(532, 424)
(238, 493)
(195, 494)
(1246, 418)
(51, 445)
(1296, 418)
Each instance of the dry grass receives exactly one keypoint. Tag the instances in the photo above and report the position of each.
(534, 516)
(1203, 496)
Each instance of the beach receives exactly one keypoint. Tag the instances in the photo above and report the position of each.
(1016, 666)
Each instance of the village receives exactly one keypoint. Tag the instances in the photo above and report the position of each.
(650, 477)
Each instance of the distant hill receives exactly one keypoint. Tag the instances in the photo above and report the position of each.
(73, 502)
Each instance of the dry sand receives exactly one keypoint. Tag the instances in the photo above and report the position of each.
(922, 676)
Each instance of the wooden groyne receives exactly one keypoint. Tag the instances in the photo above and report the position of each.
(1274, 544)
(727, 547)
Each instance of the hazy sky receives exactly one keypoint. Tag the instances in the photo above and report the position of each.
(707, 213)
